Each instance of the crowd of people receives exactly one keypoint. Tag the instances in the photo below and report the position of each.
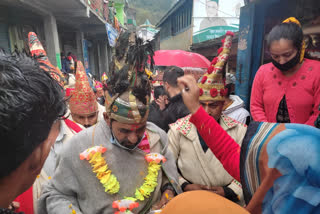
(72, 144)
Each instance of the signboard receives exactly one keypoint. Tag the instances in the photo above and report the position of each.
(112, 34)
(213, 18)
(58, 58)
(86, 56)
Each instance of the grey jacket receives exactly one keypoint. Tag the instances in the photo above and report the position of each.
(75, 183)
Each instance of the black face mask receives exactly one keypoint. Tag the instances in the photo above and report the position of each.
(288, 65)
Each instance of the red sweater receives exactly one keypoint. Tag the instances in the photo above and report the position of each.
(221, 144)
(302, 91)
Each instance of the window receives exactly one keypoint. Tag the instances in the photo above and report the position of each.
(182, 18)
(165, 31)
(178, 21)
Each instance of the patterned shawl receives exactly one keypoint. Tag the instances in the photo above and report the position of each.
(280, 168)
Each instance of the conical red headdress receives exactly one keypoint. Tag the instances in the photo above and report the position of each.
(83, 99)
(37, 51)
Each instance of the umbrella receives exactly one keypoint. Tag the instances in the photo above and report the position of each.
(196, 72)
(180, 58)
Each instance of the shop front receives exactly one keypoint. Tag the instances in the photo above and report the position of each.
(256, 21)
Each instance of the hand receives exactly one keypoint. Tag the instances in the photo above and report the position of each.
(218, 190)
(165, 198)
(14, 205)
(192, 187)
(191, 95)
(161, 102)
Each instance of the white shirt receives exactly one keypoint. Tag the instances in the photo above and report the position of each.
(236, 110)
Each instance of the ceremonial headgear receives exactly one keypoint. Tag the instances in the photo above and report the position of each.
(212, 84)
(37, 51)
(128, 97)
(83, 99)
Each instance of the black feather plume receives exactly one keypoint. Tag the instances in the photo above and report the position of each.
(138, 55)
(135, 56)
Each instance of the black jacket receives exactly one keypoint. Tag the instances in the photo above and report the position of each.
(175, 110)
(156, 115)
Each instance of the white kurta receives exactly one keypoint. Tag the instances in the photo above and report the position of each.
(197, 166)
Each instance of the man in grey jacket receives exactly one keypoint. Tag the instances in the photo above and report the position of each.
(127, 138)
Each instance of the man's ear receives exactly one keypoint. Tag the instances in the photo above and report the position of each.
(166, 85)
(107, 118)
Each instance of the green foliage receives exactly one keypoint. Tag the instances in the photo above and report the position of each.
(153, 10)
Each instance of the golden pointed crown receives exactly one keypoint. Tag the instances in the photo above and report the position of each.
(212, 83)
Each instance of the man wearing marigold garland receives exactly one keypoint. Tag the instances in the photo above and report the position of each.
(199, 168)
(123, 163)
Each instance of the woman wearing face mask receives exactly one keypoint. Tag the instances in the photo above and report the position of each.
(288, 89)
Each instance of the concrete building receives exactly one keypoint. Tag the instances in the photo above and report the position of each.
(76, 26)
(176, 27)
(191, 22)
(147, 31)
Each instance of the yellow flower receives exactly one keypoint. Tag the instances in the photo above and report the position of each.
(112, 186)
(138, 195)
(101, 169)
(72, 211)
(115, 108)
(115, 189)
(106, 177)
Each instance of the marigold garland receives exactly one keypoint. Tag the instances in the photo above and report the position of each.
(100, 167)
(150, 182)
(110, 182)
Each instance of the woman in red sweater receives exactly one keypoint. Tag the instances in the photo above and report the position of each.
(288, 89)
(271, 163)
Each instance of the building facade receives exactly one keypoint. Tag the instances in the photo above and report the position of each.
(76, 26)
(191, 22)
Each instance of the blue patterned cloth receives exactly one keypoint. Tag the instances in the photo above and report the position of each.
(289, 156)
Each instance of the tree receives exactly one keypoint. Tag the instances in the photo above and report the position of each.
(153, 10)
